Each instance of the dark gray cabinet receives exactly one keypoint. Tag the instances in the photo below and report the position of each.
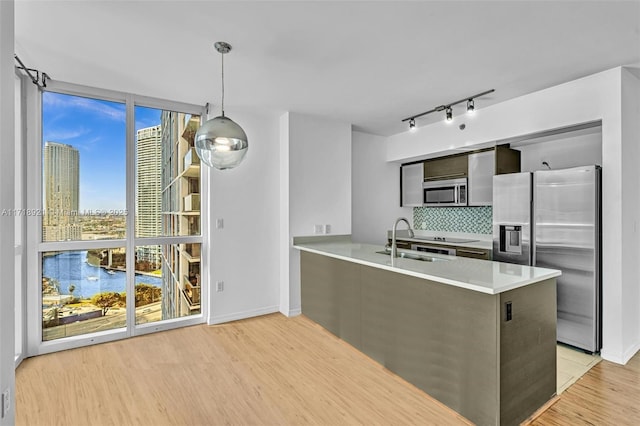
(450, 167)
(475, 253)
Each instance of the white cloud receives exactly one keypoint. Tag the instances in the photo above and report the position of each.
(59, 135)
(66, 101)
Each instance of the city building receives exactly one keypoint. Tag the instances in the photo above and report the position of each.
(62, 193)
(180, 214)
(148, 191)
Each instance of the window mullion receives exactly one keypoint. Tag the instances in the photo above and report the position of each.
(131, 209)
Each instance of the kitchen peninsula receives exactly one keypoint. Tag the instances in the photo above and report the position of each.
(477, 335)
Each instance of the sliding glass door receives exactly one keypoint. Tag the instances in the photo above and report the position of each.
(118, 216)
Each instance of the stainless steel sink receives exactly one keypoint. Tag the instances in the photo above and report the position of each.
(413, 256)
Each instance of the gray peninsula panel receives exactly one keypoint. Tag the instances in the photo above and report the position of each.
(454, 343)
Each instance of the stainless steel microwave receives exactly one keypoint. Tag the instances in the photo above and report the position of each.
(445, 193)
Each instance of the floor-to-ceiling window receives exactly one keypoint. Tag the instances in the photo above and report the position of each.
(118, 215)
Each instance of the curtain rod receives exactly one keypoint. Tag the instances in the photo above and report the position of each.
(35, 80)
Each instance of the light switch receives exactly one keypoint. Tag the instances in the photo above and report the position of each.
(219, 223)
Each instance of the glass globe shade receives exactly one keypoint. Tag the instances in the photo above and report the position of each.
(221, 143)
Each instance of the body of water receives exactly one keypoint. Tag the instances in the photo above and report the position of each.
(71, 268)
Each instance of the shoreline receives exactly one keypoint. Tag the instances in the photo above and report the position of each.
(146, 274)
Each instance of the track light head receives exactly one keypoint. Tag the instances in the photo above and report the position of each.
(449, 113)
(470, 106)
(412, 125)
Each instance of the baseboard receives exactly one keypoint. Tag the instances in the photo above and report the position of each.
(629, 353)
(607, 356)
(292, 312)
(242, 315)
(621, 358)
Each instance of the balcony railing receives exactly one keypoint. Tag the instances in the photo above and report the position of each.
(191, 163)
(192, 250)
(192, 203)
(191, 293)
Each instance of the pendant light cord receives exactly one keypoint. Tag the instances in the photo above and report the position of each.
(222, 84)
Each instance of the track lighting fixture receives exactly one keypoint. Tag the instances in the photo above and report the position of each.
(447, 109)
(470, 107)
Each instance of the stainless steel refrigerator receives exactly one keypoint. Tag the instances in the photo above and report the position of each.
(551, 219)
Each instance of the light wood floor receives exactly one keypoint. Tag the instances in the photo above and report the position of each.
(269, 370)
(608, 394)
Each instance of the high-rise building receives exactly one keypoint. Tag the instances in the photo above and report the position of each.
(62, 193)
(180, 214)
(149, 192)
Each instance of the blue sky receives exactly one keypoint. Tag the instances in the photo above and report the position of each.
(97, 129)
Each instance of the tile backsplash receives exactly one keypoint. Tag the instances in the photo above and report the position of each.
(475, 220)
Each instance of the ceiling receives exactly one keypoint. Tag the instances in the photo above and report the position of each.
(369, 63)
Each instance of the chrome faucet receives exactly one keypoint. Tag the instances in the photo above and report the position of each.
(394, 248)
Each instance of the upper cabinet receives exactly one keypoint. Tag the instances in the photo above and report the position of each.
(411, 178)
(450, 167)
(478, 167)
(507, 160)
(483, 166)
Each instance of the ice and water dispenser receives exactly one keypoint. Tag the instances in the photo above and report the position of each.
(511, 239)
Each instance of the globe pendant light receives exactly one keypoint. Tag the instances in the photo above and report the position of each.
(221, 142)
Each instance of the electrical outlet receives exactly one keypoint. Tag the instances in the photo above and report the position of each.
(508, 311)
(327, 229)
(219, 286)
(6, 403)
(318, 229)
(424, 225)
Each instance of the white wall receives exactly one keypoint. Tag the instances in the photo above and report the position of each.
(316, 185)
(562, 151)
(375, 201)
(630, 294)
(596, 97)
(244, 253)
(579, 101)
(319, 174)
(7, 256)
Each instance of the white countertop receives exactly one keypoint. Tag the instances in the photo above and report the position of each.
(479, 275)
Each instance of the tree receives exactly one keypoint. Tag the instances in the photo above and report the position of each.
(106, 300)
(146, 294)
